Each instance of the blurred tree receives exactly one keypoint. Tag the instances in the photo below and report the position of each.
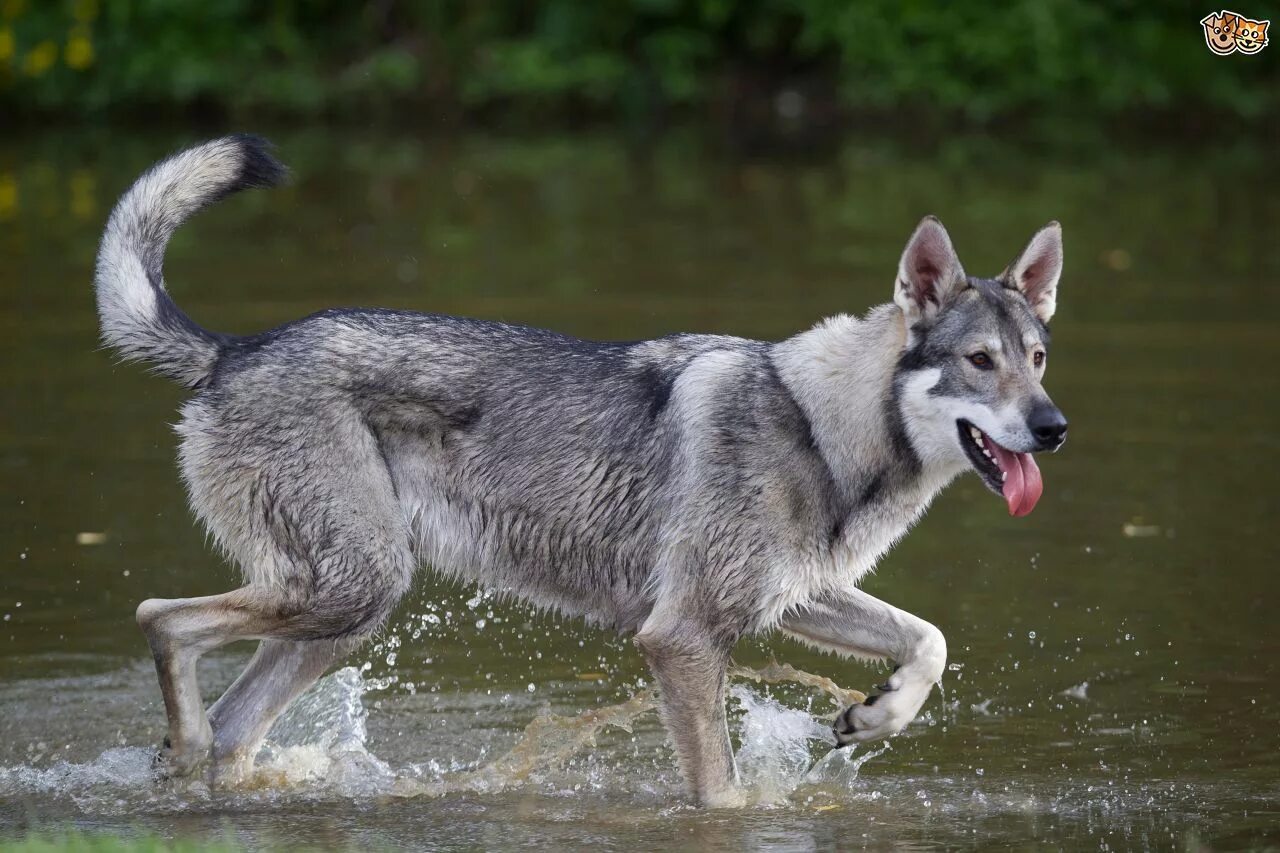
(980, 62)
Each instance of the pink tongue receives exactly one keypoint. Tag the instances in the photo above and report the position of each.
(1022, 483)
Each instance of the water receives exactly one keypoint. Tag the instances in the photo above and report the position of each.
(1114, 668)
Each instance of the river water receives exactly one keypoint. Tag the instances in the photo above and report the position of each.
(1113, 677)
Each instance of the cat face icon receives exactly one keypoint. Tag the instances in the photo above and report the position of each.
(1251, 36)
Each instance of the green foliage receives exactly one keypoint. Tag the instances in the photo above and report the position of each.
(302, 57)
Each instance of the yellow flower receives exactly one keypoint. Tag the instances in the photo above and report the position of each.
(79, 52)
(41, 58)
(6, 44)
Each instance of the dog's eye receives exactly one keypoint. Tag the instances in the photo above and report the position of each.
(1038, 358)
(980, 360)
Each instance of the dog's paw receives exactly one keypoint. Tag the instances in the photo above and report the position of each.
(731, 797)
(872, 720)
(882, 714)
(172, 762)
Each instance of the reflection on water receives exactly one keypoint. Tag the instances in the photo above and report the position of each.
(1113, 659)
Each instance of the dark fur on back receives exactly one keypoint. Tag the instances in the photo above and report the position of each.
(556, 452)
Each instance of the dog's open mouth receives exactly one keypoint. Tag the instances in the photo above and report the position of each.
(1015, 476)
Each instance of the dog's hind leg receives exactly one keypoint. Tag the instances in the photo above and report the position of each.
(299, 644)
(179, 632)
(306, 505)
(278, 673)
(691, 670)
(343, 593)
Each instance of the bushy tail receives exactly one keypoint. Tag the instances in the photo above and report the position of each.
(138, 317)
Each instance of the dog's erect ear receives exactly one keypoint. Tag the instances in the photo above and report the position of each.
(928, 274)
(1036, 271)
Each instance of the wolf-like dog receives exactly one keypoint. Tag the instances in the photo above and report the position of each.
(689, 490)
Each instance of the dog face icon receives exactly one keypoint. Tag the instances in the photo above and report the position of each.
(1220, 32)
(1251, 36)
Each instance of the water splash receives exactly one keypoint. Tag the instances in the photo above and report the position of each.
(548, 741)
(838, 769)
(322, 739)
(319, 750)
(316, 749)
(785, 673)
(773, 759)
(1079, 692)
(120, 767)
(776, 745)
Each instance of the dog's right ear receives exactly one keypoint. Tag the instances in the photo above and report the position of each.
(928, 274)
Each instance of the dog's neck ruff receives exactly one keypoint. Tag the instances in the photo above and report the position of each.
(844, 374)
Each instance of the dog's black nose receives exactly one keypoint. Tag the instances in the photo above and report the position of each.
(1048, 426)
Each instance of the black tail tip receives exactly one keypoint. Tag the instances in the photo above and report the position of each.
(261, 169)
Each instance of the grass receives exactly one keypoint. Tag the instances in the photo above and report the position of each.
(91, 842)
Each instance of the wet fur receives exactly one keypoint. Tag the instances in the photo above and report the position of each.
(690, 489)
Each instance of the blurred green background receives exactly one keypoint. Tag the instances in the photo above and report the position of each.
(805, 62)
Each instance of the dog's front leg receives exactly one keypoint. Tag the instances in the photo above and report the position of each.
(855, 624)
(691, 666)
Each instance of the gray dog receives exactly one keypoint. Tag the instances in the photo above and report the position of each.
(690, 489)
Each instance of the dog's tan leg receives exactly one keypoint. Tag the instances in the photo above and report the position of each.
(278, 673)
(179, 631)
(691, 672)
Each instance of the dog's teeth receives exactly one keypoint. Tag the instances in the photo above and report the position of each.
(973, 431)
(1004, 475)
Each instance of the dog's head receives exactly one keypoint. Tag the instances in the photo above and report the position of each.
(969, 378)
(1251, 36)
(1220, 32)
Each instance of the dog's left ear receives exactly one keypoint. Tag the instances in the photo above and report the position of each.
(1036, 271)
